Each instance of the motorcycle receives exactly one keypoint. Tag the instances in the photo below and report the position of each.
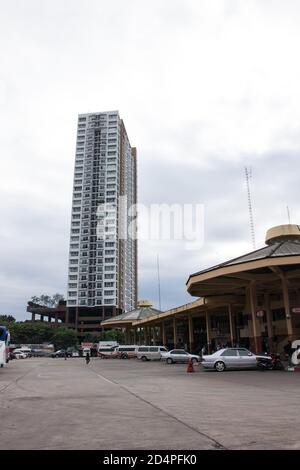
(276, 362)
(271, 362)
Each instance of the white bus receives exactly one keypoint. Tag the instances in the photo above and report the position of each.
(107, 349)
(4, 346)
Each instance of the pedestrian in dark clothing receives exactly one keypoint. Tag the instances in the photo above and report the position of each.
(288, 351)
(87, 358)
(66, 355)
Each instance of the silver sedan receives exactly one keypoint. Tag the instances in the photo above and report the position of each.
(231, 358)
(179, 355)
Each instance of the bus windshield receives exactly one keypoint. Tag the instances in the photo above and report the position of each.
(4, 349)
(3, 333)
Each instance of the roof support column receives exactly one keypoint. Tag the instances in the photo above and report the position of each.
(33, 317)
(127, 335)
(208, 332)
(134, 335)
(255, 327)
(175, 340)
(286, 301)
(154, 335)
(232, 341)
(76, 317)
(267, 308)
(191, 333)
(147, 335)
(287, 308)
(163, 333)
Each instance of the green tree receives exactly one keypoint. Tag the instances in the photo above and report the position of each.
(64, 338)
(47, 300)
(112, 335)
(30, 333)
(4, 319)
(89, 338)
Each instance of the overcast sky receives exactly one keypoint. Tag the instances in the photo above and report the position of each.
(204, 87)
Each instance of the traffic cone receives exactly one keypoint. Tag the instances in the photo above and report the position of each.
(190, 367)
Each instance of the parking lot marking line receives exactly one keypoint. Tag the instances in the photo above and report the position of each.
(15, 381)
(217, 444)
(102, 377)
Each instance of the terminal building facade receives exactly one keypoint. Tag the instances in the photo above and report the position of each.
(251, 301)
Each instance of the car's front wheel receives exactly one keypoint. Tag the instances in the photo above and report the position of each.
(220, 366)
(194, 360)
(144, 358)
(169, 360)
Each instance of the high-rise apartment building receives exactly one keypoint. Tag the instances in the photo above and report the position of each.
(102, 278)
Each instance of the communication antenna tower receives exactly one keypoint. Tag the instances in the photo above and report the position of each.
(288, 212)
(158, 280)
(248, 176)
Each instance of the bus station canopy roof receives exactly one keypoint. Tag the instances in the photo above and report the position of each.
(266, 265)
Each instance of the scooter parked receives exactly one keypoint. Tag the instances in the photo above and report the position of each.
(271, 362)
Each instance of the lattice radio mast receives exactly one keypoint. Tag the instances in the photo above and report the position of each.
(248, 176)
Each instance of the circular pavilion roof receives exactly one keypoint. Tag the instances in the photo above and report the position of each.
(143, 310)
(281, 257)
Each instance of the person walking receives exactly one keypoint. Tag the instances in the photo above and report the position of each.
(66, 355)
(288, 351)
(87, 358)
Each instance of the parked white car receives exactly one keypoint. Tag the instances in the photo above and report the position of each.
(20, 355)
(151, 353)
(179, 355)
(232, 358)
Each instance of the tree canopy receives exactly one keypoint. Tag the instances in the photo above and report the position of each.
(41, 332)
(6, 319)
(47, 300)
(64, 338)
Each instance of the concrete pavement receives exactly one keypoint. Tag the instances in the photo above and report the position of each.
(126, 404)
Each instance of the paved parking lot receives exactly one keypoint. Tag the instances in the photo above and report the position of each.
(126, 404)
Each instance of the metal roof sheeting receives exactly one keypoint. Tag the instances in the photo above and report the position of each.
(136, 314)
(279, 249)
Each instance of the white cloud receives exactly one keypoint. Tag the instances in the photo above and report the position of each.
(204, 87)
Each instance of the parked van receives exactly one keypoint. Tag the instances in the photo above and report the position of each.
(107, 351)
(23, 350)
(86, 351)
(148, 353)
(126, 352)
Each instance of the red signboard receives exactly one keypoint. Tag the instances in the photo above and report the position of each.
(260, 313)
(296, 310)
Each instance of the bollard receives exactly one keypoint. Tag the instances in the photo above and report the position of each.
(190, 367)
